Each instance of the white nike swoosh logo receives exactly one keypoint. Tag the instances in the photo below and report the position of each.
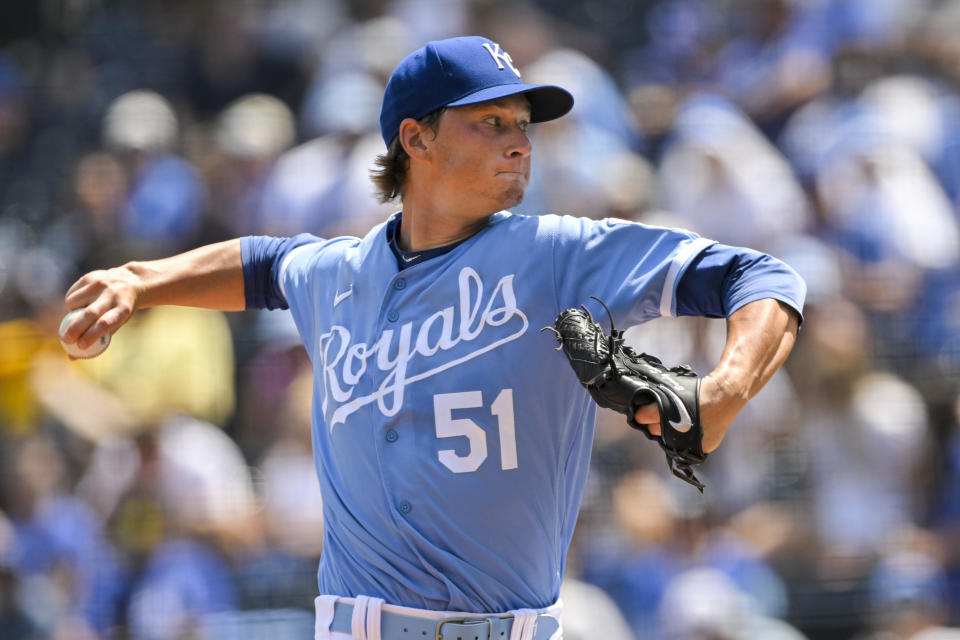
(340, 297)
(411, 258)
(685, 421)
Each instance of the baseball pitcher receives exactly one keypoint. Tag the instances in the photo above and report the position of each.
(451, 439)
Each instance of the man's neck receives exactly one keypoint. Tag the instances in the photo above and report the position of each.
(425, 228)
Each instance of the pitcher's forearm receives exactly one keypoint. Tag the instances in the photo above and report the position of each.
(760, 336)
(210, 277)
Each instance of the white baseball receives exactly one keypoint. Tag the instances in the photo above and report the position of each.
(74, 349)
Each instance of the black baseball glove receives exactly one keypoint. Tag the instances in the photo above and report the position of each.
(620, 379)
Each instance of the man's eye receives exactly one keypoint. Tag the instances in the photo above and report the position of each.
(523, 126)
(492, 120)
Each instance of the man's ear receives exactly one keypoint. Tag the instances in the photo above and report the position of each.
(411, 137)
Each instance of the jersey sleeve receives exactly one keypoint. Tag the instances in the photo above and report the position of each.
(263, 260)
(721, 279)
(634, 268)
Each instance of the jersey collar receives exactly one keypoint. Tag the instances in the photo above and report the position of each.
(407, 259)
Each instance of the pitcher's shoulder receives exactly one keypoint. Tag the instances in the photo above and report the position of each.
(507, 221)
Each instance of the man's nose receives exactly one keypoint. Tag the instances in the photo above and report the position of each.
(519, 144)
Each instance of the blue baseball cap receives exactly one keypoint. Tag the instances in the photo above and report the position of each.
(457, 72)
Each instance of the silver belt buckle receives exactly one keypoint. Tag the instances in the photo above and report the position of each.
(488, 622)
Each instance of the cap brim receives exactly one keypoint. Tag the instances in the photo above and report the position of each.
(547, 102)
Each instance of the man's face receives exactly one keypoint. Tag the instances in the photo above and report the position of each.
(481, 155)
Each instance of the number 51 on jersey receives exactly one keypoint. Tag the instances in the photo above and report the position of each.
(449, 427)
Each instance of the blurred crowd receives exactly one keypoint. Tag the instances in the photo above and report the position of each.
(166, 490)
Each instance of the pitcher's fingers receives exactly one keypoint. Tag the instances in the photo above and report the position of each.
(84, 319)
(79, 323)
(647, 414)
(108, 322)
(82, 293)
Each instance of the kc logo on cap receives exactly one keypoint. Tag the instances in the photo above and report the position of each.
(500, 57)
(457, 72)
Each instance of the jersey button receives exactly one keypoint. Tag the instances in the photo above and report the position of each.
(393, 316)
(405, 507)
(392, 435)
(400, 284)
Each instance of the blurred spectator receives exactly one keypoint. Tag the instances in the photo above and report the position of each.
(374, 45)
(909, 594)
(70, 573)
(204, 483)
(182, 582)
(167, 361)
(725, 181)
(683, 39)
(291, 498)
(20, 340)
(323, 186)
(703, 604)
(282, 571)
(589, 613)
(238, 50)
(862, 421)
(882, 203)
(13, 618)
(165, 198)
(251, 133)
(431, 19)
(277, 357)
(660, 535)
(782, 54)
(100, 188)
(922, 114)
(182, 504)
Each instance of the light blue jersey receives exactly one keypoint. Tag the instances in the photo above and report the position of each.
(451, 441)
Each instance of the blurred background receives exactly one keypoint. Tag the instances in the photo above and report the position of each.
(166, 490)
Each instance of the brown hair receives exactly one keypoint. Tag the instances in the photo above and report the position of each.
(391, 171)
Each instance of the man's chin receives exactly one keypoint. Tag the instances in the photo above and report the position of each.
(513, 197)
